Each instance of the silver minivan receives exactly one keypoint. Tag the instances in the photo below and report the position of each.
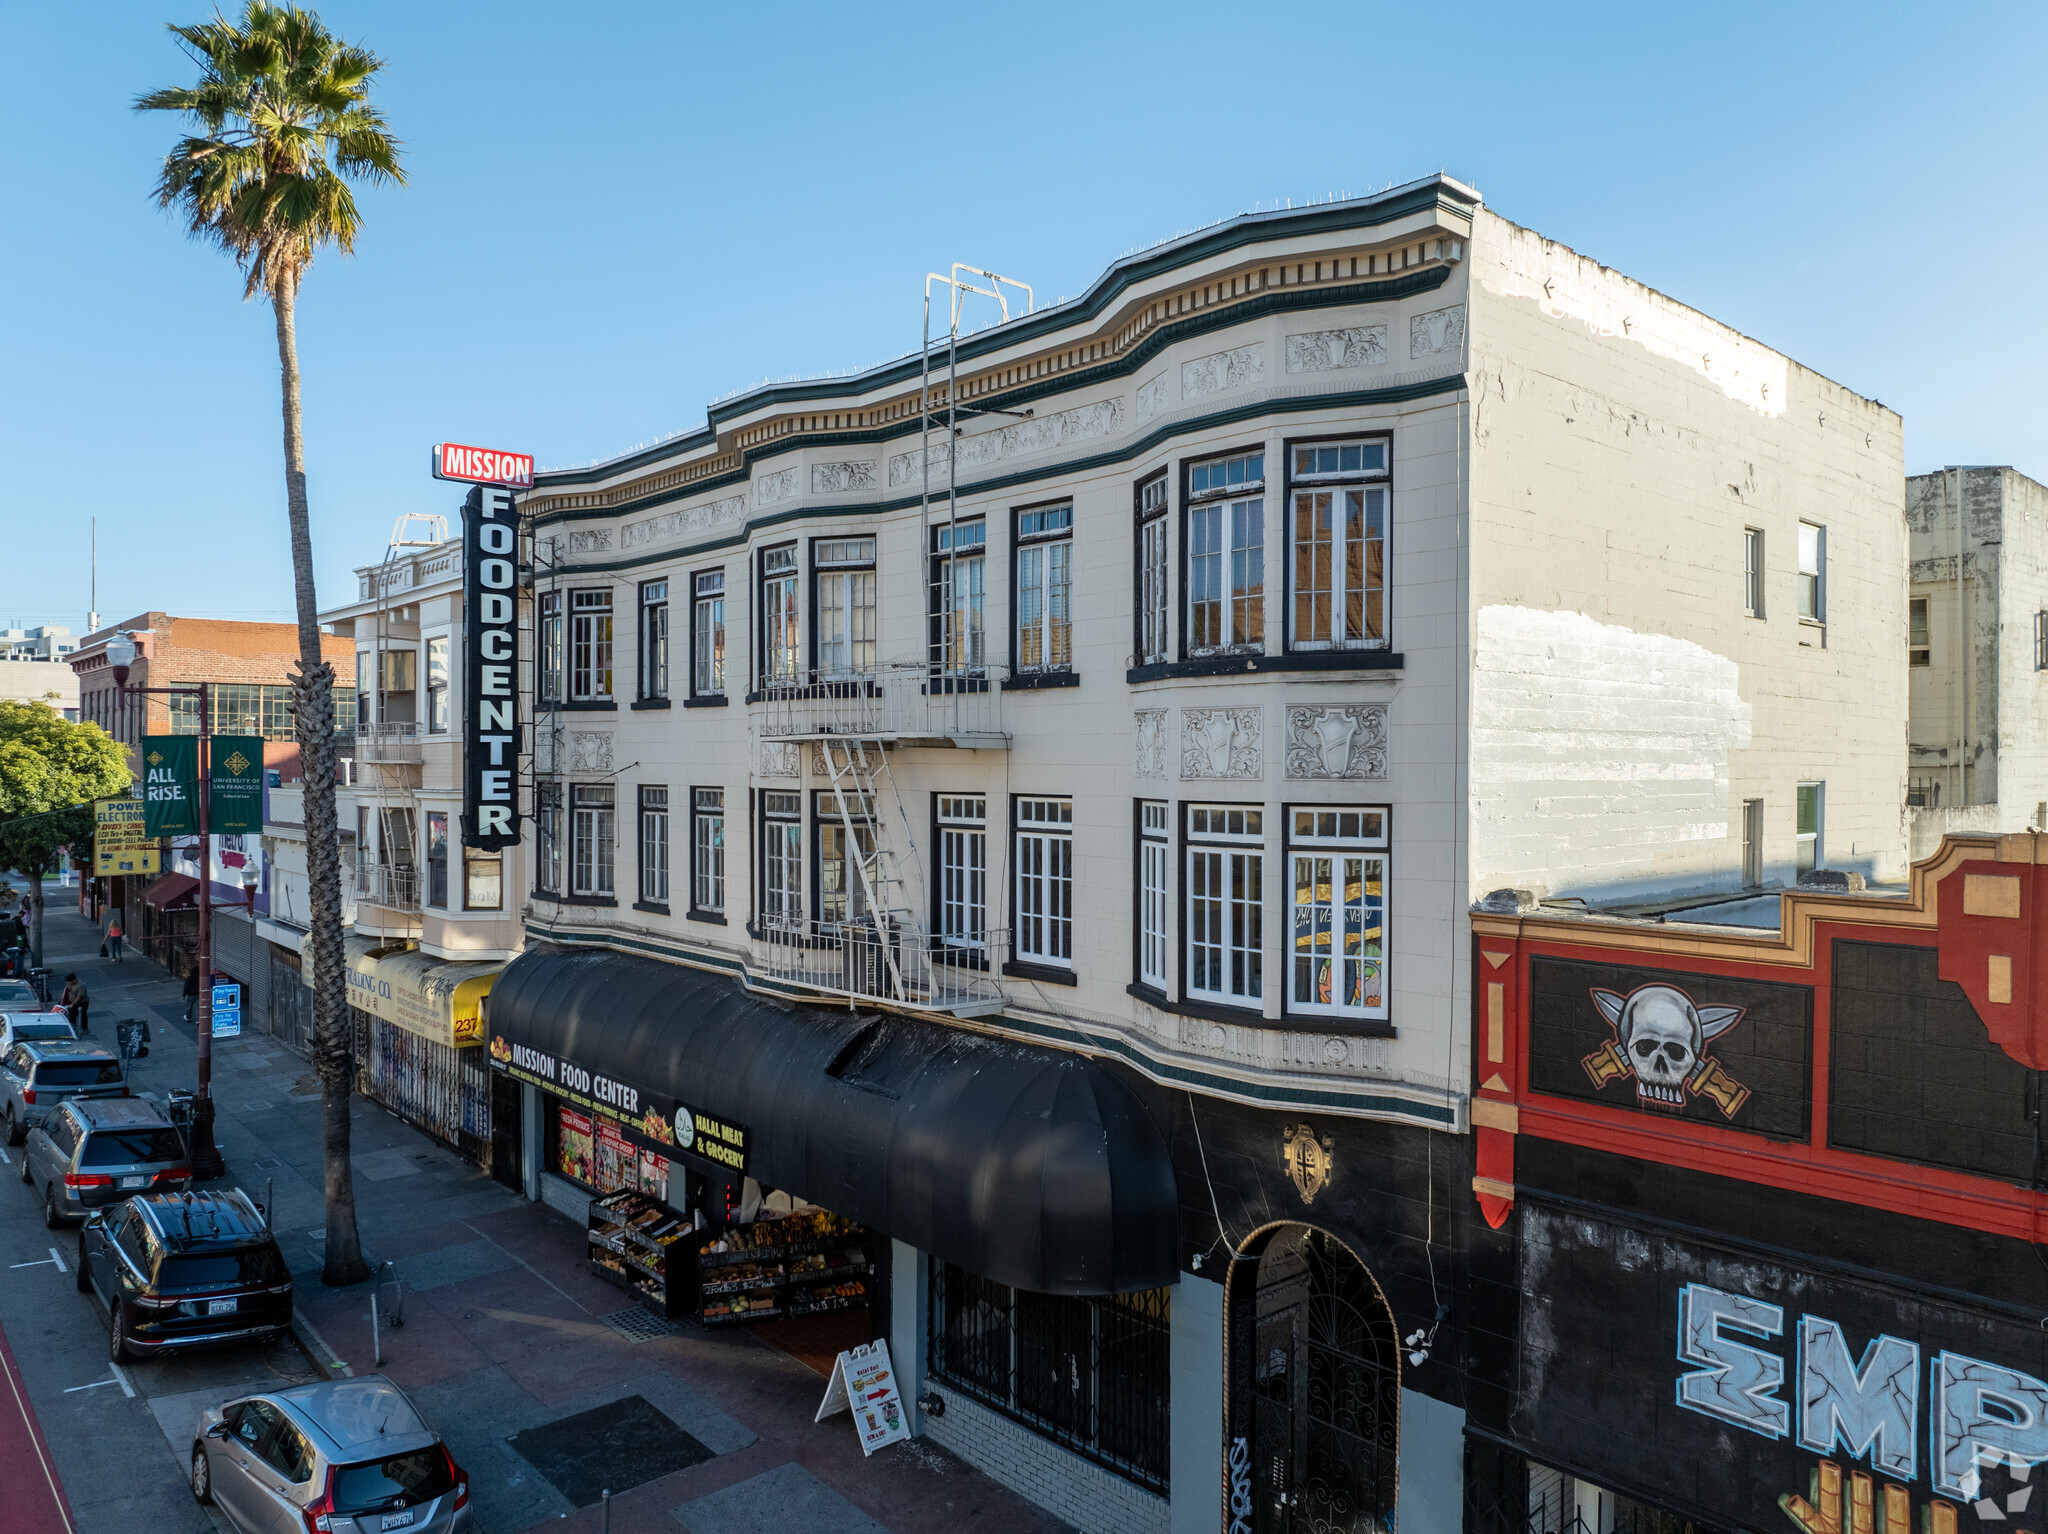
(100, 1150)
(348, 1456)
(35, 1077)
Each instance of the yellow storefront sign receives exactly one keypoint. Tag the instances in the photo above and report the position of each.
(431, 997)
(118, 845)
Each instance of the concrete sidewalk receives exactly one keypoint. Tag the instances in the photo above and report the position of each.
(505, 1343)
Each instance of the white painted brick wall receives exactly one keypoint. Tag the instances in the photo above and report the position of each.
(1094, 1500)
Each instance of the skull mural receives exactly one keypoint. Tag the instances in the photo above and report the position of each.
(1659, 1038)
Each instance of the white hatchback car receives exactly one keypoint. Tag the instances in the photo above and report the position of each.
(18, 1026)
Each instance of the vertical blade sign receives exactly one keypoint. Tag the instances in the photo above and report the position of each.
(490, 600)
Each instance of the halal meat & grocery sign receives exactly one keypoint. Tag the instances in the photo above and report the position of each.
(490, 599)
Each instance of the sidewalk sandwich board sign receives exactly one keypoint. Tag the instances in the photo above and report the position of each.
(864, 1382)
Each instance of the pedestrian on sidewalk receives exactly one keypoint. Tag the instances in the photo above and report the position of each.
(77, 1003)
(116, 934)
(191, 993)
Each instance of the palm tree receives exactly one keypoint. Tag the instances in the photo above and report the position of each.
(283, 126)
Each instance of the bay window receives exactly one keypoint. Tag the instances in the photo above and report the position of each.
(1338, 544)
(1154, 855)
(1226, 543)
(593, 833)
(846, 605)
(1226, 930)
(1045, 580)
(590, 646)
(959, 588)
(547, 832)
(437, 684)
(654, 639)
(781, 659)
(552, 650)
(1153, 584)
(1337, 913)
(1045, 881)
(782, 860)
(707, 654)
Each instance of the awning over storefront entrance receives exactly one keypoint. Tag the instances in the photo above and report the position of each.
(418, 992)
(180, 892)
(1031, 1167)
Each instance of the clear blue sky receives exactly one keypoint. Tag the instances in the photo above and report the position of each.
(619, 212)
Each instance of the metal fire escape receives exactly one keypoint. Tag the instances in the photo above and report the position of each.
(389, 748)
(886, 949)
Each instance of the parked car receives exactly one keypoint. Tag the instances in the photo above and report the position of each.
(99, 1150)
(349, 1456)
(36, 1077)
(20, 996)
(17, 1026)
(181, 1270)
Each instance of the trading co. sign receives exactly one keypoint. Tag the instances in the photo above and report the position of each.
(490, 583)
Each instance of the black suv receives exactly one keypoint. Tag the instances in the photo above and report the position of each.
(184, 1270)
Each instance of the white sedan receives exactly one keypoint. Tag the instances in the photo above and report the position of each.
(17, 1026)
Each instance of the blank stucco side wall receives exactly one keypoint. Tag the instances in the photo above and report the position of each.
(1625, 703)
(1432, 1495)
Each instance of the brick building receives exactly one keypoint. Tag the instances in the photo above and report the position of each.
(250, 666)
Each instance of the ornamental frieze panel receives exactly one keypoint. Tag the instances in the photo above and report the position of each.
(1152, 396)
(677, 524)
(770, 489)
(1220, 743)
(1325, 351)
(1238, 368)
(1148, 744)
(590, 751)
(843, 478)
(1440, 330)
(1336, 740)
(781, 759)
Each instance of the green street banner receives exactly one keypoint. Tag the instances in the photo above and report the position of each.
(170, 785)
(237, 777)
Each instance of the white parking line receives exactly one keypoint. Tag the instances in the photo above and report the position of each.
(43, 1262)
(57, 1258)
(74, 1389)
(121, 1375)
(5, 1159)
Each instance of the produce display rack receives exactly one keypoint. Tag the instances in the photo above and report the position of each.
(804, 1265)
(644, 1247)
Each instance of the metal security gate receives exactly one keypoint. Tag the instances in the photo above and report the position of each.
(445, 1091)
(1327, 1393)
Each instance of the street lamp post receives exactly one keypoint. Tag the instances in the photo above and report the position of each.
(204, 1154)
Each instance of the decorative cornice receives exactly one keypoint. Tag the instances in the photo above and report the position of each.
(1416, 252)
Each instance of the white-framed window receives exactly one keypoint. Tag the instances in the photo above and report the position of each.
(654, 843)
(846, 846)
(1226, 543)
(1226, 894)
(1154, 586)
(590, 645)
(1338, 544)
(846, 605)
(963, 869)
(1753, 842)
(1810, 832)
(782, 860)
(437, 685)
(959, 597)
(547, 834)
(1045, 589)
(437, 859)
(707, 653)
(1919, 646)
(593, 834)
(483, 880)
(707, 849)
(553, 651)
(1753, 572)
(654, 639)
(781, 640)
(1155, 856)
(1045, 881)
(1813, 572)
(1337, 874)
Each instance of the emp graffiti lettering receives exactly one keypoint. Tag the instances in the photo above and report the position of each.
(1660, 1039)
(1240, 1487)
(1979, 1416)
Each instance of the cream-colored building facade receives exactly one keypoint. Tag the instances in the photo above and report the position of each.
(1393, 539)
(1977, 647)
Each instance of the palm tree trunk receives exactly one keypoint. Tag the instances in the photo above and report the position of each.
(313, 702)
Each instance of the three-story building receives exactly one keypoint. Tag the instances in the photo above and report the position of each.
(1029, 797)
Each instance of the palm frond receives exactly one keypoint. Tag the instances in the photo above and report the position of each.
(285, 124)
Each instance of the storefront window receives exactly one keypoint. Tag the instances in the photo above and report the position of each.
(1089, 1372)
(590, 1150)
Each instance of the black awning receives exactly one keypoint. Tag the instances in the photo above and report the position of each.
(1029, 1166)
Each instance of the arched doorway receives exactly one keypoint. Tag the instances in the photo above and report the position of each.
(1315, 1389)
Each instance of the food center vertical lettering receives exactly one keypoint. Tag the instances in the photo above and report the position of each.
(490, 794)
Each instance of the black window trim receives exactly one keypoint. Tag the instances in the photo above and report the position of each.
(691, 907)
(1185, 476)
(1139, 519)
(1018, 542)
(1350, 1027)
(1288, 482)
(1182, 927)
(640, 691)
(813, 570)
(693, 698)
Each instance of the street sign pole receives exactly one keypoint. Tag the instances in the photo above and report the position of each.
(205, 1155)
